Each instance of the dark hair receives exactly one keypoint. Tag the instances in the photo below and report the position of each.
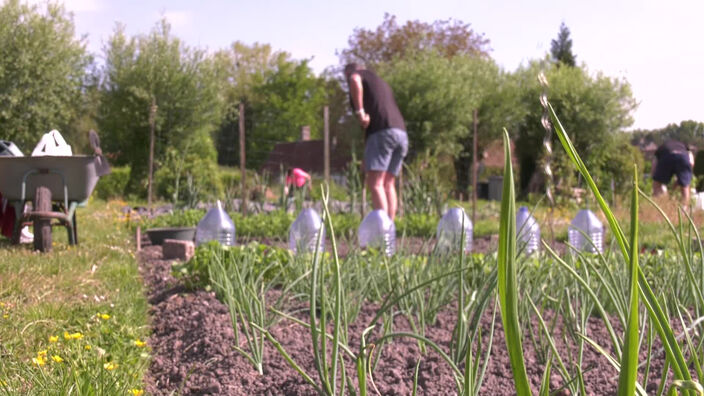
(352, 67)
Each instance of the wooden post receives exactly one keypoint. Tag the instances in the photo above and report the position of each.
(474, 168)
(152, 121)
(243, 169)
(139, 238)
(326, 143)
(363, 204)
(399, 193)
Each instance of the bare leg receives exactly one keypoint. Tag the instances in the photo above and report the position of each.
(658, 189)
(685, 196)
(375, 183)
(390, 189)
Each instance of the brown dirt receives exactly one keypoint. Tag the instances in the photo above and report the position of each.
(192, 340)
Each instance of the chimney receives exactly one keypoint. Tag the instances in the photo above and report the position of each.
(305, 133)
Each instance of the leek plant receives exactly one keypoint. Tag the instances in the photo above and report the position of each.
(243, 286)
(627, 363)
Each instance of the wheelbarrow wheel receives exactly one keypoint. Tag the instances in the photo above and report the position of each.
(42, 226)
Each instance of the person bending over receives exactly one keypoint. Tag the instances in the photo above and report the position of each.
(386, 141)
(296, 178)
(672, 158)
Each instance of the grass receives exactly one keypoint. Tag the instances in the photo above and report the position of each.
(91, 291)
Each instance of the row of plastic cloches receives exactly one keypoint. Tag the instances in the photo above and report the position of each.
(377, 230)
(585, 233)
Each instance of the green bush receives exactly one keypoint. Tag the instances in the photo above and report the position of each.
(417, 224)
(113, 185)
(180, 218)
(190, 175)
(263, 225)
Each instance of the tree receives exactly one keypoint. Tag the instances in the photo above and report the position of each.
(182, 82)
(689, 132)
(241, 69)
(448, 38)
(591, 108)
(42, 71)
(437, 96)
(280, 96)
(561, 48)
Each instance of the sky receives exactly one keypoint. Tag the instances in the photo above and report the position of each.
(654, 45)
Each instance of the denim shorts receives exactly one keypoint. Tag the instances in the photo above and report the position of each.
(673, 164)
(385, 150)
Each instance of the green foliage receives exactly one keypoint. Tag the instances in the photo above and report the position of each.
(189, 175)
(593, 108)
(436, 95)
(417, 224)
(260, 257)
(42, 71)
(113, 185)
(179, 218)
(157, 68)
(561, 48)
(265, 225)
(102, 265)
(280, 96)
(688, 132)
(425, 185)
(615, 164)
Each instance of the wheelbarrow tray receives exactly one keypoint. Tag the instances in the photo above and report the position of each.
(78, 171)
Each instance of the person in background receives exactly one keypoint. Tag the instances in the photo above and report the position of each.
(386, 141)
(297, 178)
(672, 158)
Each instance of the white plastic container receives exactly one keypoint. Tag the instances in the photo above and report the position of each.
(379, 231)
(303, 234)
(527, 231)
(586, 223)
(450, 232)
(216, 225)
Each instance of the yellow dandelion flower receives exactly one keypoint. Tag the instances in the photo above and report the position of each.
(39, 361)
(110, 366)
(67, 336)
(139, 344)
(57, 358)
(76, 336)
(87, 347)
(136, 392)
(53, 339)
(5, 316)
(104, 316)
(42, 353)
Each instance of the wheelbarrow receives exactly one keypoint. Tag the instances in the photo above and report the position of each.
(56, 185)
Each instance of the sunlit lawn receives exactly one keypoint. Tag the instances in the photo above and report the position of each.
(74, 320)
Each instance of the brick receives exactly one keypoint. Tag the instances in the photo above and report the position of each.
(177, 249)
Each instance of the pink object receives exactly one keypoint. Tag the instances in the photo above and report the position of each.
(299, 177)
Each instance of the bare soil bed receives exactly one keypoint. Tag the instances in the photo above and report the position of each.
(192, 340)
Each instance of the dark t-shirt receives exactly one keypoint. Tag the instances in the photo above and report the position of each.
(378, 101)
(670, 146)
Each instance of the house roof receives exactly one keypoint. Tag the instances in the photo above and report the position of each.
(307, 155)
